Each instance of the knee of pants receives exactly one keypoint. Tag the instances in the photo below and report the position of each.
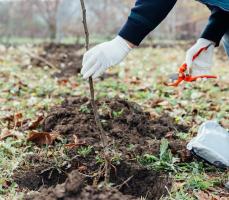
(226, 42)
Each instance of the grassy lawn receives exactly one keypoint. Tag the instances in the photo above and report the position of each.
(27, 92)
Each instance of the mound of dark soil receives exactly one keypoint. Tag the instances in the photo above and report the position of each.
(63, 56)
(125, 123)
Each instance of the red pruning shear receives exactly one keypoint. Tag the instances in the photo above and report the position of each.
(182, 76)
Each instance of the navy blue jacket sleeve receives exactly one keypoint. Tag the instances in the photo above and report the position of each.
(145, 17)
(217, 26)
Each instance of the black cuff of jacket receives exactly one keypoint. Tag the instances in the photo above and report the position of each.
(128, 31)
(217, 26)
(213, 32)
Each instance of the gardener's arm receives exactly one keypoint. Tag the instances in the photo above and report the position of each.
(144, 17)
(217, 26)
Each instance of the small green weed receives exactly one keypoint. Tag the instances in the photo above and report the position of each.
(200, 182)
(84, 151)
(84, 109)
(117, 113)
(165, 161)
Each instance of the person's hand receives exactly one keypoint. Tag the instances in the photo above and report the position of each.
(202, 64)
(103, 56)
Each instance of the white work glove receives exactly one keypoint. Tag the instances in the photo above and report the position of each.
(103, 56)
(203, 63)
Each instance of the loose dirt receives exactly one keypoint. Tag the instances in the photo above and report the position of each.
(74, 188)
(130, 132)
(63, 56)
(130, 180)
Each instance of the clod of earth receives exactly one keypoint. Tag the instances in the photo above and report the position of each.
(141, 182)
(74, 188)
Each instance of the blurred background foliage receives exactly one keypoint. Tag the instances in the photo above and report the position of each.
(60, 20)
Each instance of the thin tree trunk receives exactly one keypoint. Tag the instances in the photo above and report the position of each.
(94, 107)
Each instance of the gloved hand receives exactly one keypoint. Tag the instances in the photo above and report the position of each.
(103, 56)
(203, 63)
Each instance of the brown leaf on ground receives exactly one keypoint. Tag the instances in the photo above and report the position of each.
(41, 138)
(82, 168)
(154, 103)
(18, 121)
(201, 195)
(135, 80)
(63, 81)
(169, 135)
(34, 124)
(9, 133)
(14, 120)
(76, 143)
(225, 123)
(2, 100)
(18, 116)
(206, 195)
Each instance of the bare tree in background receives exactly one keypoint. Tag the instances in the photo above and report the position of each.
(59, 19)
(48, 11)
(108, 21)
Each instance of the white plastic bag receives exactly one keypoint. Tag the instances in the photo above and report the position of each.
(211, 144)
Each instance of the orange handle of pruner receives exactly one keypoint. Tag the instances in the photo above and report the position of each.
(194, 78)
(183, 68)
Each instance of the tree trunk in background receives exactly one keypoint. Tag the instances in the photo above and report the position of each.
(173, 24)
(53, 31)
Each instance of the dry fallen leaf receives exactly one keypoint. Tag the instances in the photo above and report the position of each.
(135, 80)
(76, 143)
(18, 116)
(225, 123)
(34, 124)
(62, 81)
(15, 120)
(41, 138)
(169, 135)
(206, 195)
(201, 195)
(5, 133)
(82, 168)
(2, 100)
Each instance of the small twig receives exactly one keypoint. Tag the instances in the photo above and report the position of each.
(98, 175)
(49, 64)
(124, 183)
(107, 168)
(94, 107)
